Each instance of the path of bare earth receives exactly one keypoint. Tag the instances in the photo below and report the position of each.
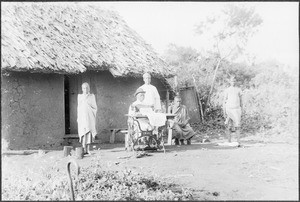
(257, 171)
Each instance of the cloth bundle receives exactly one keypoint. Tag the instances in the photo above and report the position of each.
(155, 119)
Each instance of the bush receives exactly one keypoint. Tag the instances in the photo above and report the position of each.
(94, 183)
(270, 92)
(270, 99)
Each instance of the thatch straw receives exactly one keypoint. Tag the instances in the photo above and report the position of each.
(71, 38)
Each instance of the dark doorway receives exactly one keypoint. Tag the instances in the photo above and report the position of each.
(67, 101)
(72, 89)
(189, 99)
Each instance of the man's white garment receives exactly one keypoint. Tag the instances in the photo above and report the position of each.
(233, 105)
(155, 119)
(86, 115)
(151, 96)
(144, 122)
(233, 97)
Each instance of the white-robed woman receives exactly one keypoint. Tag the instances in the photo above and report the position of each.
(86, 117)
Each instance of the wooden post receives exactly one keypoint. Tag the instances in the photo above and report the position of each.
(212, 86)
(176, 84)
(112, 136)
(167, 101)
(169, 130)
(79, 152)
(169, 136)
(128, 141)
(67, 150)
(199, 99)
(201, 108)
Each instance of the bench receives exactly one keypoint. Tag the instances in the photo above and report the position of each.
(114, 131)
(71, 136)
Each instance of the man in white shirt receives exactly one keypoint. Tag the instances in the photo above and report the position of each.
(232, 108)
(151, 96)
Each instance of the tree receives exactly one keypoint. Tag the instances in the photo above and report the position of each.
(194, 69)
(227, 34)
(184, 60)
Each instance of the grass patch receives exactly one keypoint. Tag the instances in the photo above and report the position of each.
(95, 182)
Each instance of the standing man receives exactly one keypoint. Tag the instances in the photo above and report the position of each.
(232, 108)
(151, 96)
(86, 117)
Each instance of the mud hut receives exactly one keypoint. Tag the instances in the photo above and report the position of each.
(48, 50)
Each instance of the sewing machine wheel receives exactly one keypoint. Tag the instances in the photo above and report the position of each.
(140, 143)
(152, 143)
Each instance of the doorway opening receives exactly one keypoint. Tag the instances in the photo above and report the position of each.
(67, 103)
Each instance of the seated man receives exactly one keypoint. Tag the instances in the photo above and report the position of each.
(152, 119)
(136, 107)
(181, 128)
(163, 107)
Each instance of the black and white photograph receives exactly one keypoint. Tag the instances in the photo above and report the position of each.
(150, 100)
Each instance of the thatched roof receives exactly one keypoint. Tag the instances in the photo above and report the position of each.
(71, 38)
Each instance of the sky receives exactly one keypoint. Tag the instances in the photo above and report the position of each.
(162, 23)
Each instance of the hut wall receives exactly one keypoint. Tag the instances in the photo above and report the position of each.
(113, 97)
(32, 110)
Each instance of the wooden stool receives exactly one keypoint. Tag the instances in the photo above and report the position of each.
(114, 131)
(79, 152)
(67, 150)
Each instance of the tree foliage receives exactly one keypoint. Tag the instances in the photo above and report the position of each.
(271, 101)
(193, 69)
(270, 94)
(228, 32)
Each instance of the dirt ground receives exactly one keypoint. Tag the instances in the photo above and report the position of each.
(257, 171)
